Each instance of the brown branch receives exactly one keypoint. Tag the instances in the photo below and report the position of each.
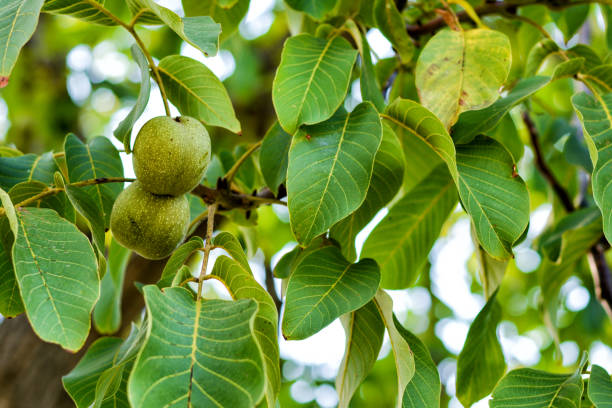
(561, 193)
(270, 286)
(228, 199)
(600, 270)
(494, 8)
(602, 277)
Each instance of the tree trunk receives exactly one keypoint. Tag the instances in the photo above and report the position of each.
(31, 370)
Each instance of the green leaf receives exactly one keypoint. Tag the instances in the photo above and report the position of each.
(58, 201)
(370, 91)
(424, 389)
(386, 180)
(231, 244)
(491, 270)
(571, 19)
(19, 20)
(177, 259)
(201, 32)
(364, 330)
(458, 71)
(274, 156)
(290, 261)
(473, 123)
(506, 133)
(481, 361)
(146, 17)
(241, 285)
(197, 92)
(6, 151)
(99, 380)
(594, 112)
(591, 57)
(107, 313)
(81, 382)
(403, 355)
(86, 10)
(56, 270)
(183, 275)
(486, 174)
(316, 9)
(323, 287)
(14, 170)
(391, 24)
(312, 79)
(421, 130)
(599, 78)
(538, 53)
(567, 69)
(330, 167)
(95, 160)
(86, 205)
(579, 231)
(401, 242)
(228, 17)
(188, 369)
(124, 130)
(11, 304)
(535, 388)
(600, 387)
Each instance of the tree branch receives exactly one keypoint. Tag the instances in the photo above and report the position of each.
(503, 7)
(561, 193)
(602, 276)
(228, 199)
(270, 286)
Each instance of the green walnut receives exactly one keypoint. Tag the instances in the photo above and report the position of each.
(149, 224)
(171, 154)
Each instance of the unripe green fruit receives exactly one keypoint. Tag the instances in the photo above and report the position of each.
(171, 155)
(149, 224)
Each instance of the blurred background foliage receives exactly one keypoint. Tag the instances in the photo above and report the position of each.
(77, 77)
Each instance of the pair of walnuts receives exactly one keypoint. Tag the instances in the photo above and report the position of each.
(170, 158)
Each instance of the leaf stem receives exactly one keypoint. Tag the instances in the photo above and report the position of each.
(130, 29)
(137, 16)
(232, 172)
(54, 190)
(541, 165)
(154, 69)
(210, 227)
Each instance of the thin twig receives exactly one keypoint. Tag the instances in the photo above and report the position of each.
(137, 16)
(270, 286)
(529, 21)
(232, 172)
(54, 190)
(602, 276)
(208, 246)
(154, 69)
(561, 193)
(130, 29)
